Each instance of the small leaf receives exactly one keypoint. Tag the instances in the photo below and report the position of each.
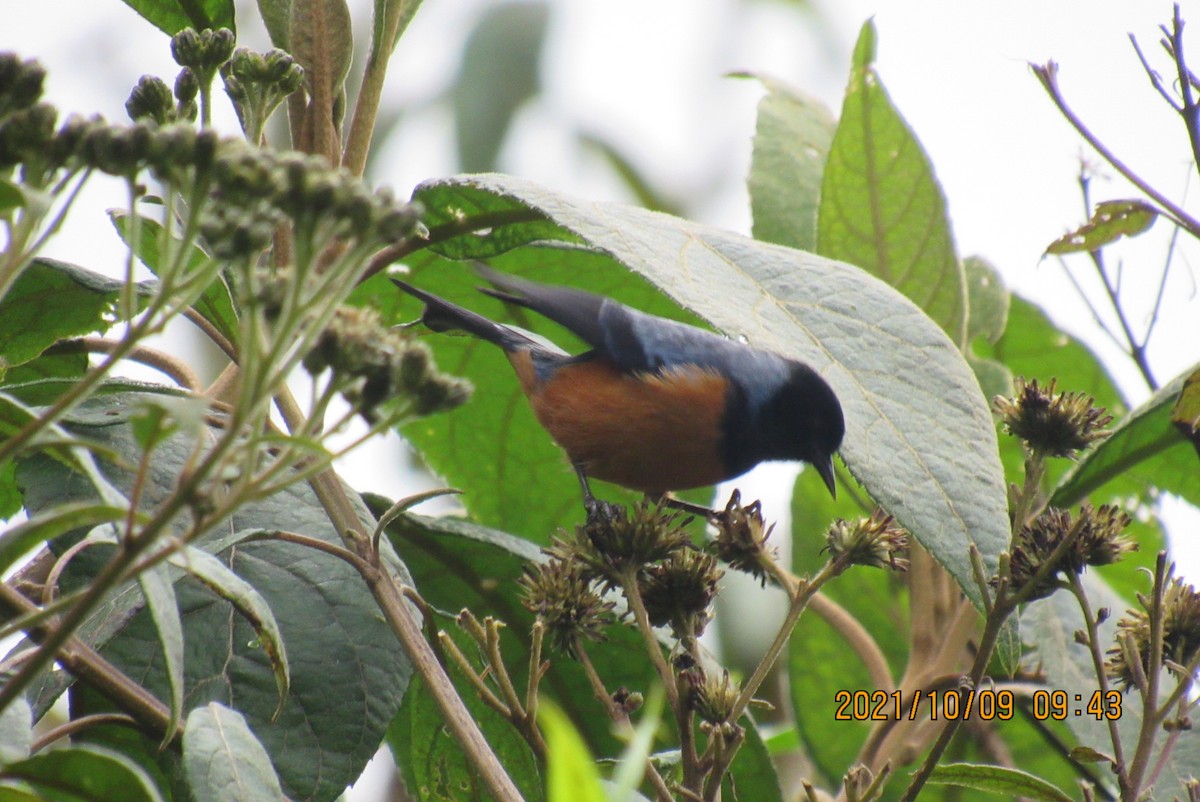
(218, 578)
(1185, 414)
(45, 526)
(988, 300)
(159, 593)
(998, 780)
(792, 136)
(1085, 754)
(408, 10)
(223, 760)
(84, 773)
(172, 16)
(881, 205)
(216, 303)
(1111, 221)
(571, 774)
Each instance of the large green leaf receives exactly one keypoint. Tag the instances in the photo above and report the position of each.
(172, 16)
(320, 740)
(881, 205)
(919, 434)
(1145, 447)
(791, 142)
(50, 301)
(79, 773)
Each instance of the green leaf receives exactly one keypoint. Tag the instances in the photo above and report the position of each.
(223, 760)
(881, 205)
(172, 16)
(83, 773)
(216, 303)
(919, 434)
(752, 776)
(571, 774)
(997, 780)
(50, 301)
(322, 40)
(1144, 447)
(275, 16)
(16, 731)
(988, 300)
(249, 603)
(336, 638)
(1111, 221)
(431, 760)
(1185, 414)
(408, 10)
(791, 142)
(159, 593)
(18, 540)
(500, 71)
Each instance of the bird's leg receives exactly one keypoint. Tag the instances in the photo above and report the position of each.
(597, 510)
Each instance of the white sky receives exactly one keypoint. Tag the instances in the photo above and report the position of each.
(648, 75)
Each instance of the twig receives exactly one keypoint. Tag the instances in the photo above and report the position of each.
(1048, 75)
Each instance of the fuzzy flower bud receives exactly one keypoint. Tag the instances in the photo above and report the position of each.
(20, 83)
(614, 547)
(151, 101)
(876, 541)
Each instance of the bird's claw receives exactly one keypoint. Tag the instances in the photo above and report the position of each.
(601, 512)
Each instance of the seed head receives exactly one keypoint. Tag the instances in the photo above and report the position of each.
(566, 602)
(1180, 633)
(742, 537)
(1052, 424)
(679, 590)
(612, 546)
(1099, 541)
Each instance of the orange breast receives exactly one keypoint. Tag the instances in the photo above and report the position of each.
(650, 433)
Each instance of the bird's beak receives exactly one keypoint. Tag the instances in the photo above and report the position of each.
(825, 468)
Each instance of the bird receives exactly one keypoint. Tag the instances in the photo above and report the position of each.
(655, 405)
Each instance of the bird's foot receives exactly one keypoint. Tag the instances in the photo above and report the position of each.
(602, 512)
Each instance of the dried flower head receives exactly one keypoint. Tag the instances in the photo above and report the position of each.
(628, 540)
(742, 537)
(1180, 634)
(712, 697)
(679, 590)
(1099, 540)
(566, 602)
(876, 541)
(1052, 424)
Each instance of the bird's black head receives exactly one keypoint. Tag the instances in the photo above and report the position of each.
(801, 419)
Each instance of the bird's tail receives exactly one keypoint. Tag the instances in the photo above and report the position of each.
(441, 315)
